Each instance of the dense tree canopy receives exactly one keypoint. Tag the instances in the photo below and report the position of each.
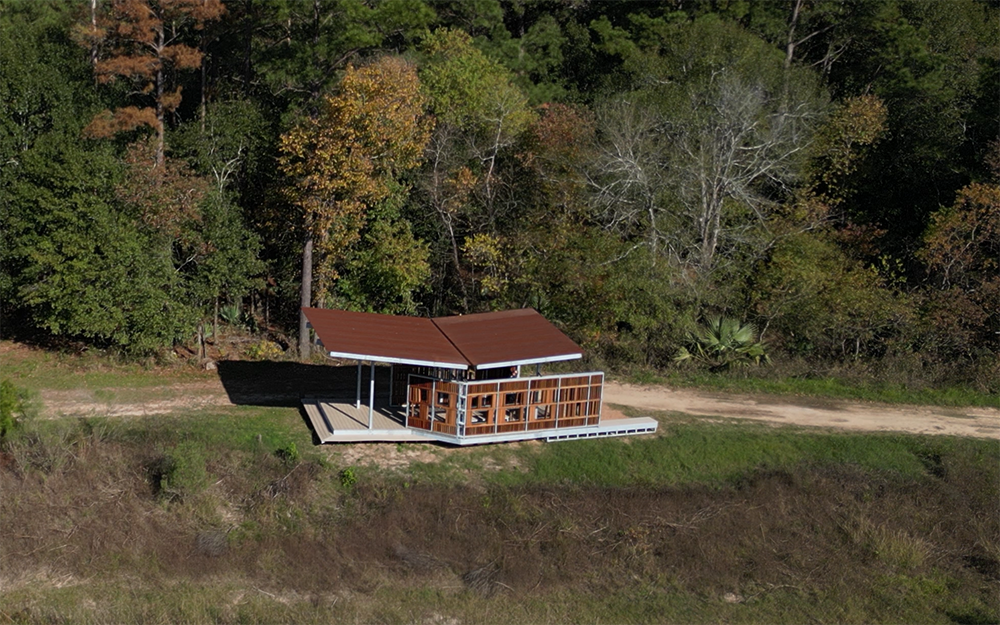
(825, 170)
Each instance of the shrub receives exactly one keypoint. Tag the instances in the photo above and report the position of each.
(722, 343)
(289, 454)
(181, 472)
(264, 350)
(348, 478)
(12, 407)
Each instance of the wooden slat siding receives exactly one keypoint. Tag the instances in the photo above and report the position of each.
(421, 424)
(571, 401)
(478, 430)
(444, 428)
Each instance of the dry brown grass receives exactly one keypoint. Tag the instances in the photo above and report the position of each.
(81, 509)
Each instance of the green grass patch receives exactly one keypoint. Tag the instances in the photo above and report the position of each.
(39, 369)
(686, 452)
(891, 600)
(221, 430)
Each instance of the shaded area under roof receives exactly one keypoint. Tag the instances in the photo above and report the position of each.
(482, 341)
(508, 338)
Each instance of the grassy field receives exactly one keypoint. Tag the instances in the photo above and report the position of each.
(232, 515)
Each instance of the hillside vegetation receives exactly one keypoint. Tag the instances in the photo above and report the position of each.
(821, 174)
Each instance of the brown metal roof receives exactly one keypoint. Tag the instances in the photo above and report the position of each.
(484, 341)
(384, 338)
(508, 338)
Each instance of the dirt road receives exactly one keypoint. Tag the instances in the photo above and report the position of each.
(977, 422)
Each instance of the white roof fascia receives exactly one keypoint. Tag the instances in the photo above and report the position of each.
(529, 361)
(398, 361)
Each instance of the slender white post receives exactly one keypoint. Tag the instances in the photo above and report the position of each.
(527, 407)
(357, 396)
(556, 405)
(588, 400)
(371, 395)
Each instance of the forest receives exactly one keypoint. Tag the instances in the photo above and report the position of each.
(815, 182)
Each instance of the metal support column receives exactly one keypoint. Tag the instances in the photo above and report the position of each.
(588, 400)
(371, 395)
(357, 396)
(600, 406)
(527, 406)
(433, 403)
(557, 404)
(498, 410)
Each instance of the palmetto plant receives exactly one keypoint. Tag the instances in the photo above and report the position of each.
(722, 343)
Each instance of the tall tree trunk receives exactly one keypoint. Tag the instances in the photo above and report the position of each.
(159, 102)
(305, 294)
(93, 26)
(204, 80)
(790, 43)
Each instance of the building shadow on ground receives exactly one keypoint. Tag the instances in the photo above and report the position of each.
(268, 383)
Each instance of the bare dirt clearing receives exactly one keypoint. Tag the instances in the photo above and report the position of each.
(804, 411)
(872, 417)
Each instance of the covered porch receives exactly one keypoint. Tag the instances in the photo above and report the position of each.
(458, 380)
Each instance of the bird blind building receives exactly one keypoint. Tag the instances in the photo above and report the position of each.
(462, 380)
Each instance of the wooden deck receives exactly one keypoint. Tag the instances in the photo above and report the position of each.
(340, 422)
(561, 407)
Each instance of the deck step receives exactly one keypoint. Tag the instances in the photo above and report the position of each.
(318, 420)
(608, 429)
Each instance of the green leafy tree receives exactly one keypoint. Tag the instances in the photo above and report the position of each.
(480, 115)
(385, 269)
(83, 267)
(74, 261)
(926, 61)
(299, 49)
(823, 303)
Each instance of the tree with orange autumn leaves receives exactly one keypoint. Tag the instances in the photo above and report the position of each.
(139, 41)
(347, 159)
(962, 255)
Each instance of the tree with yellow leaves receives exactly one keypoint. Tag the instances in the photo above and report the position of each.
(347, 159)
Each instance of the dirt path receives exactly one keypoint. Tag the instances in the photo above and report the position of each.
(977, 422)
